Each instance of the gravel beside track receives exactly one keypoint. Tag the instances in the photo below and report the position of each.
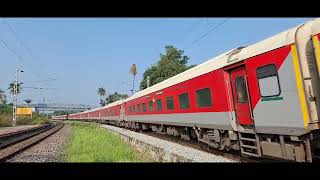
(189, 153)
(48, 150)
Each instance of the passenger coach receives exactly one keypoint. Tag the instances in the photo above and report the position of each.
(262, 100)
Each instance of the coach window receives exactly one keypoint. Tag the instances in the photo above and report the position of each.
(134, 108)
(241, 89)
(144, 107)
(268, 81)
(170, 105)
(130, 109)
(204, 97)
(150, 106)
(138, 107)
(159, 105)
(184, 101)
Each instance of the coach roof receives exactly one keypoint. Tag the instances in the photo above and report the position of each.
(282, 39)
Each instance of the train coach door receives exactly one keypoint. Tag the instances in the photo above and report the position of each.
(241, 97)
(122, 111)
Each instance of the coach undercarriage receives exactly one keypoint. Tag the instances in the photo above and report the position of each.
(291, 148)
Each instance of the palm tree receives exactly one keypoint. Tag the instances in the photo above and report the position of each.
(3, 97)
(101, 93)
(11, 88)
(133, 71)
(28, 101)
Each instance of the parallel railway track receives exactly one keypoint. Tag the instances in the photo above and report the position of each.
(12, 143)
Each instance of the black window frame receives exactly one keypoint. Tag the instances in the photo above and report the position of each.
(277, 75)
(138, 108)
(188, 100)
(151, 103)
(244, 88)
(144, 107)
(159, 100)
(172, 103)
(197, 99)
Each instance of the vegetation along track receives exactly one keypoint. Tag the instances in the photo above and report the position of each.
(12, 143)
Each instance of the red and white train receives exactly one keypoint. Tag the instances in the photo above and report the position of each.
(262, 100)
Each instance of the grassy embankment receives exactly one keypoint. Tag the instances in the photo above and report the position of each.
(90, 143)
(6, 117)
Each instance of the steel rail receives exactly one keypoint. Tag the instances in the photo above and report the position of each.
(16, 143)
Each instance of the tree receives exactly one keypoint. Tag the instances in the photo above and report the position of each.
(171, 63)
(115, 97)
(28, 101)
(11, 88)
(101, 93)
(133, 71)
(3, 97)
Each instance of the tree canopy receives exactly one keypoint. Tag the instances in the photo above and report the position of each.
(115, 97)
(28, 101)
(101, 92)
(171, 63)
(3, 97)
(11, 88)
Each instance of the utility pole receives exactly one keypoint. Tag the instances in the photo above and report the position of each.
(15, 94)
(43, 105)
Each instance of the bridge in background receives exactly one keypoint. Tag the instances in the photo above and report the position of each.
(40, 107)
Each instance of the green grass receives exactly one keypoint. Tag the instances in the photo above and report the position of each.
(6, 117)
(6, 120)
(90, 143)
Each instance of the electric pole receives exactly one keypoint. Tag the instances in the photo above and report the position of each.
(15, 94)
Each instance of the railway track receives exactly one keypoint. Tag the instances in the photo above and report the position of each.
(12, 143)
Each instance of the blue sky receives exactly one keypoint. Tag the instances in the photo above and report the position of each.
(83, 54)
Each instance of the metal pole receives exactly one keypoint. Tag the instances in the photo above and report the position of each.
(14, 116)
(133, 84)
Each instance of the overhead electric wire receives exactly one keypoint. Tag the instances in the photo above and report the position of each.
(46, 80)
(5, 45)
(16, 36)
(208, 32)
(197, 40)
(23, 63)
(39, 88)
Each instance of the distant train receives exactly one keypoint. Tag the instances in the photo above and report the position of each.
(262, 100)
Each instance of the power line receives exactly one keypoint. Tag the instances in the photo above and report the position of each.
(191, 29)
(39, 88)
(207, 33)
(4, 44)
(12, 30)
(16, 36)
(21, 61)
(50, 79)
